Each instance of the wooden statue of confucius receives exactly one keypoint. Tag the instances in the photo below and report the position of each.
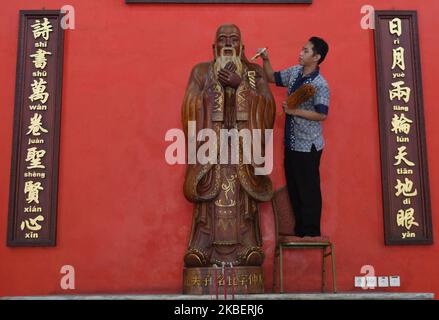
(226, 93)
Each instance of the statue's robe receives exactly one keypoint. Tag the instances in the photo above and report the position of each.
(225, 227)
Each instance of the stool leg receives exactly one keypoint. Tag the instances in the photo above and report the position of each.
(280, 270)
(274, 269)
(334, 279)
(324, 269)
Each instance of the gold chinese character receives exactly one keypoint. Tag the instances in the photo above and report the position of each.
(207, 281)
(401, 157)
(401, 124)
(32, 224)
(253, 278)
(34, 156)
(405, 188)
(33, 189)
(399, 91)
(221, 280)
(42, 29)
(35, 125)
(196, 281)
(38, 89)
(243, 280)
(406, 218)
(40, 60)
(398, 58)
(395, 26)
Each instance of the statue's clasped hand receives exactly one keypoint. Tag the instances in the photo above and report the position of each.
(227, 76)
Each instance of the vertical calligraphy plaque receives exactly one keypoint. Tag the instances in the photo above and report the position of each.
(405, 186)
(35, 148)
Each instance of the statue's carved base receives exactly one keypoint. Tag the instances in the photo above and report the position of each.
(239, 280)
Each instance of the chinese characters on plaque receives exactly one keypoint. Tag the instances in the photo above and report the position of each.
(406, 200)
(34, 168)
(247, 280)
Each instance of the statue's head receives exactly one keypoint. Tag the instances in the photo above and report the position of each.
(228, 46)
(227, 41)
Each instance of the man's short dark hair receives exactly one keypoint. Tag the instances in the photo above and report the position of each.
(319, 47)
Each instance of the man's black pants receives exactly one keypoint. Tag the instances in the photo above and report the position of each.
(303, 183)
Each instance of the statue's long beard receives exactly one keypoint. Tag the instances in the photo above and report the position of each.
(222, 59)
(229, 103)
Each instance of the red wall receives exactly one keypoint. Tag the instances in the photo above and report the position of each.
(123, 221)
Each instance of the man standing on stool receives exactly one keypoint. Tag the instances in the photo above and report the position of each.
(303, 133)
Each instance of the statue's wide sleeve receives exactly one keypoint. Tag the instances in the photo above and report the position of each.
(201, 181)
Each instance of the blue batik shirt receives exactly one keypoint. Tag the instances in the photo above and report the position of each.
(300, 133)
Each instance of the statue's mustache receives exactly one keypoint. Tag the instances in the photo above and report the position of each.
(228, 54)
(226, 50)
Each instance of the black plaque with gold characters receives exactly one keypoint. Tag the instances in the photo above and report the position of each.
(406, 195)
(35, 153)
